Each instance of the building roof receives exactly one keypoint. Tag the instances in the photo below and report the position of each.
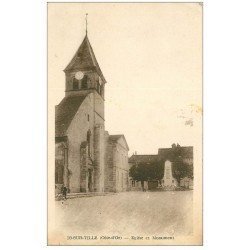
(170, 153)
(143, 158)
(163, 154)
(65, 113)
(115, 138)
(84, 59)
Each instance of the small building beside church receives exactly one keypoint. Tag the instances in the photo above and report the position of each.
(117, 169)
(82, 149)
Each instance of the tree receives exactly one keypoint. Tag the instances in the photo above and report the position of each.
(180, 169)
(155, 170)
(147, 171)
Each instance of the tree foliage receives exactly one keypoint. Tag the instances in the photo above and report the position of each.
(155, 170)
(180, 168)
(147, 171)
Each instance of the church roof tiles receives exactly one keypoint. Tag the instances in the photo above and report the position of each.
(84, 59)
(65, 113)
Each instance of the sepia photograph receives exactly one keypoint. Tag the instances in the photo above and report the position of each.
(130, 124)
(125, 112)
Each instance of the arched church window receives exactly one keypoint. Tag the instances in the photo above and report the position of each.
(88, 141)
(75, 84)
(84, 82)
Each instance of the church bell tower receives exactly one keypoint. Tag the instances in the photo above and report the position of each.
(83, 77)
(83, 74)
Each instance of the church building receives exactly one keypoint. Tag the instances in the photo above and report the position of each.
(82, 147)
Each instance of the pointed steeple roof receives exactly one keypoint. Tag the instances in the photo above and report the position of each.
(85, 59)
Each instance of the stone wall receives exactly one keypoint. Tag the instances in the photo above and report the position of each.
(99, 151)
(61, 166)
(77, 134)
(122, 168)
(109, 180)
(116, 169)
(136, 185)
(83, 167)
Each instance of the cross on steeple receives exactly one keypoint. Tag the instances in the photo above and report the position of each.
(84, 62)
(86, 19)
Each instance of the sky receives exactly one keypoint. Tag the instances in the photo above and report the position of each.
(151, 57)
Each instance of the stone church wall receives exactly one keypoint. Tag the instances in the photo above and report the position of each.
(99, 158)
(109, 178)
(77, 133)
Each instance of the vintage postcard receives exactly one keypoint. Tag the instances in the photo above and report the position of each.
(125, 124)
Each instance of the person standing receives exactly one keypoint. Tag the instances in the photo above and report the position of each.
(64, 191)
